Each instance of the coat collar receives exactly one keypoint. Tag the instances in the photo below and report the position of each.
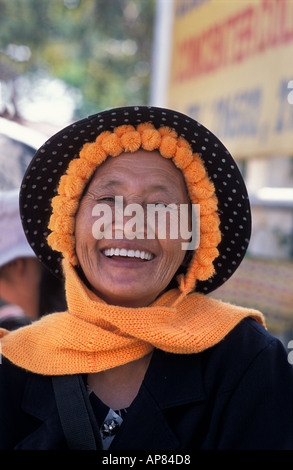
(171, 380)
(38, 402)
(174, 379)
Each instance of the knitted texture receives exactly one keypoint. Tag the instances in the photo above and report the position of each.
(93, 336)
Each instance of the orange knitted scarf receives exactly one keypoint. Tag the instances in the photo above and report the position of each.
(93, 336)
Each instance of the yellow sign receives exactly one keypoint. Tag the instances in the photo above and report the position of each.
(232, 70)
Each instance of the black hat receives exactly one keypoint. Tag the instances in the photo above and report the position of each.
(50, 162)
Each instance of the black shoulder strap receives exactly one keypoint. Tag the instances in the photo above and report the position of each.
(76, 415)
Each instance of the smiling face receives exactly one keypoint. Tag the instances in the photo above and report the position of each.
(130, 272)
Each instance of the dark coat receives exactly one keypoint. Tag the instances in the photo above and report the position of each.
(236, 395)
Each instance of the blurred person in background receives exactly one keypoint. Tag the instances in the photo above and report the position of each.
(28, 290)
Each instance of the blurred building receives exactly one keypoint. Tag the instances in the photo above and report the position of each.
(228, 64)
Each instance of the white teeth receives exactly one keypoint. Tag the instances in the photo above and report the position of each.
(128, 253)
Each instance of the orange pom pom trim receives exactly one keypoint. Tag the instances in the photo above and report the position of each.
(126, 138)
(183, 157)
(167, 131)
(131, 141)
(168, 146)
(150, 139)
(93, 154)
(195, 172)
(112, 145)
(64, 206)
(126, 129)
(83, 168)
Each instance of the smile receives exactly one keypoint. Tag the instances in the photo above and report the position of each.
(109, 252)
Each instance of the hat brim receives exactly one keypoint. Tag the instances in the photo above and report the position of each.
(50, 162)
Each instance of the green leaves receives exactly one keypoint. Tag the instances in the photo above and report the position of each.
(100, 47)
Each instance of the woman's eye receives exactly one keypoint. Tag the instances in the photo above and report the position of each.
(106, 199)
(160, 205)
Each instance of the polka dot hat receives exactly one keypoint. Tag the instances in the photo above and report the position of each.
(50, 162)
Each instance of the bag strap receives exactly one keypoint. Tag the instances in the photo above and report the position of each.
(76, 415)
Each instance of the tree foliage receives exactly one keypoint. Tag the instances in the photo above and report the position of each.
(102, 48)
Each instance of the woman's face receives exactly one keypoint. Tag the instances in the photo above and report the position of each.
(123, 270)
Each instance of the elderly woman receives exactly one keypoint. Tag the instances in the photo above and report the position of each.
(143, 358)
